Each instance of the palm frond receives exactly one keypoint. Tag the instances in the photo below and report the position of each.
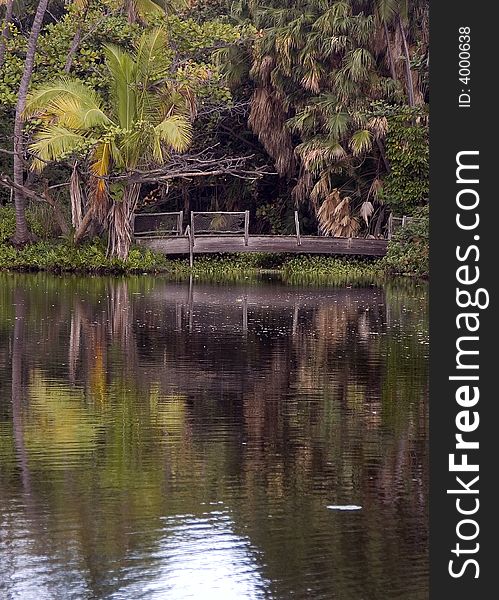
(176, 132)
(123, 71)
(366, 210)
(71, 114)
(54, 142)
(148, 7)
(152, 53)
(337, 124)
(359, 63)
(100, 168)
(386, 9)
(335, 217)
(41, 99)
(361, 142)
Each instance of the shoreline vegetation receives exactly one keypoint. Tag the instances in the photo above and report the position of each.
(407, 255)
(109, 110)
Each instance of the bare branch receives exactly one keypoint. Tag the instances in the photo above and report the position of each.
(203, 164)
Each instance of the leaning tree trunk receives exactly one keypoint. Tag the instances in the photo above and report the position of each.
(120, 222)
(408, 72)
(73, 48)
(6, 30)
(22, 234)
(75, 43)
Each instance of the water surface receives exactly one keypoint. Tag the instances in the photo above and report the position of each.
(171, 441)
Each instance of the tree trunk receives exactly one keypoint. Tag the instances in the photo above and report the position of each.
(131, 11)
(382, 152)
(393, 71)
(84, 225)
(22, 235)
(18, 387)
(407, 57)
(76, 198)
(73, 48)
(120, 222)
(9, 7)
(76, 40)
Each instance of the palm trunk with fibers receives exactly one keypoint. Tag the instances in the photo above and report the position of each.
(76, 198)
(9, 7)
(408, 72)
(22, 234)
(120, 222)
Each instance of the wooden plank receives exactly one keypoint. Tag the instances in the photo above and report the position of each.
(267, 243)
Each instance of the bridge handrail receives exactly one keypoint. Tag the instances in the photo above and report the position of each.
(396, 222)
(174, 228)
(229, 223)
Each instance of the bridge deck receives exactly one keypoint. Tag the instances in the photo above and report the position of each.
(205, 244)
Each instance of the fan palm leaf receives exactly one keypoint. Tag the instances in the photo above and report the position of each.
(361, 141)
(175, 131)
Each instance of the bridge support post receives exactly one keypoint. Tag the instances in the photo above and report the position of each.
(191, 246)
(180, 222)
(192, 227)
(246, 227)
(297, 228)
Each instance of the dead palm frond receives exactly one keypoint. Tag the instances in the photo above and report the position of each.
(335, 218)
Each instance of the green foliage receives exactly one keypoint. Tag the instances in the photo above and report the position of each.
(408, 251)
(332, 270)
(320, 72)
(65, 257)
(191, 46)
(7, 223)
(331, 103)
(39, 217)
(407, 149)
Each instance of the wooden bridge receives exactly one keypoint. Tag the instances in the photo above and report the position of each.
(217, 232)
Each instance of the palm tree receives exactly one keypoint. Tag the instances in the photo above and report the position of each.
(22, 234)
(142, 122)
(399, 19)
(316, 76)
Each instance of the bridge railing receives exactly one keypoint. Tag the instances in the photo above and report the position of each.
(220, 223)
(395, 223)
(161, 224)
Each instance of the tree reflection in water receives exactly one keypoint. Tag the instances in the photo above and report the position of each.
(158, 436)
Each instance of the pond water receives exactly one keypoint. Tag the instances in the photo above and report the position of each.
(251, 440)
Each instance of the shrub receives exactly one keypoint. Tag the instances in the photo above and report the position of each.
(40, 221)
(408, 251)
